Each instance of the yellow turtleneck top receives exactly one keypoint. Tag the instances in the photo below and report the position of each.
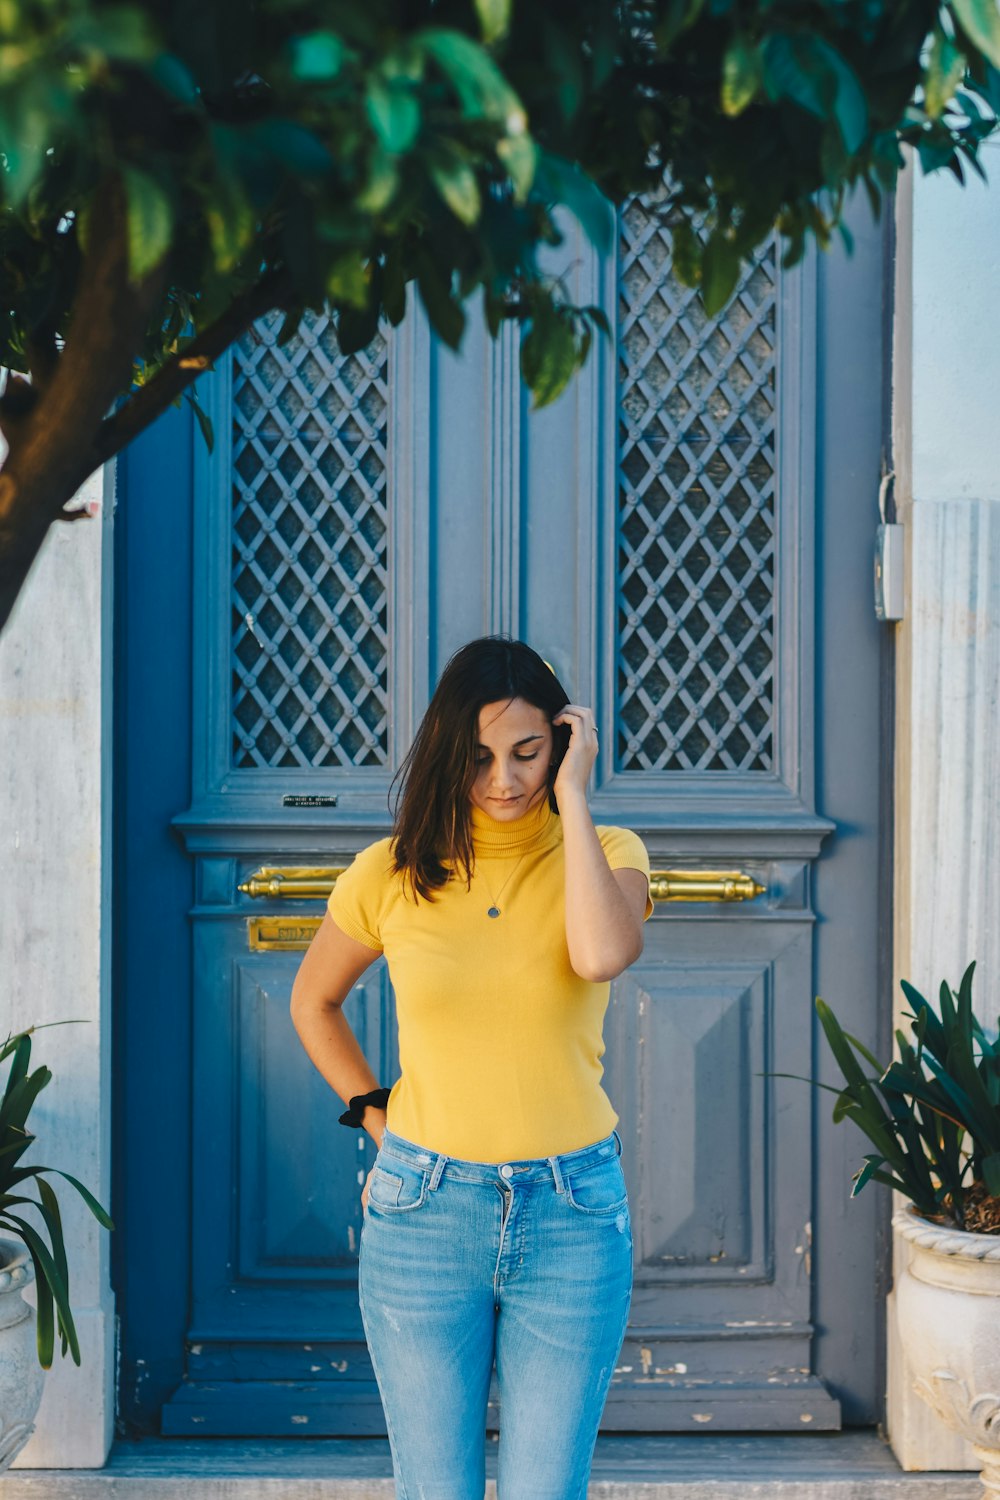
(500, 1041)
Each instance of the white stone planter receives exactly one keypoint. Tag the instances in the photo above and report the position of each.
(948, 1312)
(21, 1376)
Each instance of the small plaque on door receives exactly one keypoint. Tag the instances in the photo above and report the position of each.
(269, 934)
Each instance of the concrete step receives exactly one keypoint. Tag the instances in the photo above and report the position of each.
(852, 1465)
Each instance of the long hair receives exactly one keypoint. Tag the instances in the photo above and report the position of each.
(431, 817)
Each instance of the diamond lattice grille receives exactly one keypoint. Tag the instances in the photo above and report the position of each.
(695, 526)
(309, 570)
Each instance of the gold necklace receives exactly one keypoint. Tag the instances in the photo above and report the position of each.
(493, 910)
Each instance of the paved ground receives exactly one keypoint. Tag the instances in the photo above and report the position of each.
(852, 1465)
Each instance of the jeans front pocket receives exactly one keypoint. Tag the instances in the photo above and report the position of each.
(395, 1186)
(598, 1188)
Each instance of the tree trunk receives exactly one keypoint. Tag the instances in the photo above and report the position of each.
(57, 429)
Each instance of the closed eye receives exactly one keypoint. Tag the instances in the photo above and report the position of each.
(525, 759)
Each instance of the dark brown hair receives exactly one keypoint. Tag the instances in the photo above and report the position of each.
(431, 817)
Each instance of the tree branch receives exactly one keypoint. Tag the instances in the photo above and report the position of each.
(173, 378)
(109, 317)
(47, 433)
(43, 357)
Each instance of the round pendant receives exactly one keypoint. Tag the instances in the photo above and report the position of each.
(494, 911)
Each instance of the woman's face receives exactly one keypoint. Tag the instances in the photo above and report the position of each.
(512, 759)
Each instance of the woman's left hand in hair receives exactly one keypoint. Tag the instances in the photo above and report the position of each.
(581, 752)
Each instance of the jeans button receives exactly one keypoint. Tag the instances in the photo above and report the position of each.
(506, 1170)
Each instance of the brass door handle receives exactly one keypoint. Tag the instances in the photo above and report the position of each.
(703, 885)
(294, 882)
(312, 882)
(317, 881)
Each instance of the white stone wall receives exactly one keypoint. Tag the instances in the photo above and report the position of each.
(947, 453)
(55, 783)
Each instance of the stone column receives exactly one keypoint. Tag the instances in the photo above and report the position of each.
(947, 456)
(55, 784)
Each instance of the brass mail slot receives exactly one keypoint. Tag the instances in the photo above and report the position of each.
(281, 934)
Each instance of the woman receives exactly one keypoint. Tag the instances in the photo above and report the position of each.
(495, 1217)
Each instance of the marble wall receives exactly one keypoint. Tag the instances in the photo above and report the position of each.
(55, 784)
(947, 456)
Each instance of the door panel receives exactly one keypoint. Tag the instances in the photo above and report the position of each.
(652, 534)
(719, 1178)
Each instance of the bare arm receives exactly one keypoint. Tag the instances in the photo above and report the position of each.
(604, 907)
(332, 965)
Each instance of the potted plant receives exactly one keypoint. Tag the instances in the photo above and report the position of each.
(933, 1116)
(27, 1337)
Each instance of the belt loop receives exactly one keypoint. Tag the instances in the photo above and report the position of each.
(556, 1173)
(619, 1140)
(437, 1169)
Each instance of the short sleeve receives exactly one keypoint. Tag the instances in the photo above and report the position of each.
(625, 850)
(358, 898)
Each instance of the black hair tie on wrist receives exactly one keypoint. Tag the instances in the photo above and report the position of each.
(354, 1113)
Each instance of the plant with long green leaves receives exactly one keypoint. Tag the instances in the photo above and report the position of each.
(51, 1267)
(933, 1114)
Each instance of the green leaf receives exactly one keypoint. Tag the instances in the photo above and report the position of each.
(867, 1172)
(394, 113)
(150, 222)
(785, 75)
(99, 1213)
(991, 1173)
(980, 20)
(231, 221)
(686, 252)
(807, 70)
(897, 1081)
(293, 146)
(563, 182)
(720, 271)
(118, 31)
(456, 182)
(204, 420)
(482, 89)
(846, 1102)
(348, 281)
(598, 317)
(317, 57)
(25, 136)
(519, 155)
(174, 78)
(446, 316)
(548, 355)
(49, 1207)
(19, 1097)
(868, 1057)
(494, 19)
(21, 1049)
(741, 75)
(383, 180)
(801, 1078)
(394, 272)
(870, 1116)
(676, 16)
(49, 1286)
(945, 71)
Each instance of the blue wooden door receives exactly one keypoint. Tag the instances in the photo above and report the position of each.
(685, 536)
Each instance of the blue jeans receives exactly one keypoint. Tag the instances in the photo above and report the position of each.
(526, 1262)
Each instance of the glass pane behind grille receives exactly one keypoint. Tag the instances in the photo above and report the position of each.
(309, 553)
(695, 517)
